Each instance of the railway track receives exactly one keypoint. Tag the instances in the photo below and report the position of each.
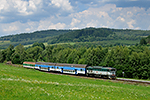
(91, 77)
(133, 80)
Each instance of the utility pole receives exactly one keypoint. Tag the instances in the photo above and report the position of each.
(123, 74)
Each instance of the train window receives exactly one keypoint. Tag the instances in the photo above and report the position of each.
(89, 69)
(81, 69)
(112, 69)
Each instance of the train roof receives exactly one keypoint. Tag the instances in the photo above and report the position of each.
(62, 64)
(100, 67)
(29, 62)
(72, 65)
(45, 63)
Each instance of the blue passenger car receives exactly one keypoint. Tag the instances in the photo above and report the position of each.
(45, 66)
(61, 67)
(72, 68)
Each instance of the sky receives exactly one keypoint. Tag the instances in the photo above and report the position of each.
(26, 16)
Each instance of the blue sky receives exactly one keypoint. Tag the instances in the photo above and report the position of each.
(25, 16)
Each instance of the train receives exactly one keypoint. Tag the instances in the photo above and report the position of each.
(96, 71)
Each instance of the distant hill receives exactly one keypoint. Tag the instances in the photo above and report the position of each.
(101, 34)
(83, 35)
(98, 36)
(32, 36)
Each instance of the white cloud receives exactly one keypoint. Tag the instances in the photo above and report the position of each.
(10, 28)
(120, 19)
(1, 17)
(18, 27)
(113, 17)
(130, 24)
(129, 13)
(93, 17)
(148, 27)
(57, 26)
(92, 23)
(137, 28)
(3, 5)
(74, 22)
(63, 4)
(26, 7)
(28, 29)
(21, 6)
(44, 24)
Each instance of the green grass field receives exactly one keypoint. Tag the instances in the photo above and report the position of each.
(4, 42)
(18, 83)
(46, 44)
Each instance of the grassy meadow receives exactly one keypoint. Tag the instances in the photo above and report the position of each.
(2, 42)
(20, 83)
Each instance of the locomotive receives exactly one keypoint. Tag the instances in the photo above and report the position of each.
(97, 71)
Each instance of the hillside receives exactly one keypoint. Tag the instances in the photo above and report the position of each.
(84, 35)
(29, 38)
(33, 36)
(101, 36)
(20, 83)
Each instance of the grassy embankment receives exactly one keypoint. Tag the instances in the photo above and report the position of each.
(20, 83)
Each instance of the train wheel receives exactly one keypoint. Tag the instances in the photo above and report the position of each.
(87, 74)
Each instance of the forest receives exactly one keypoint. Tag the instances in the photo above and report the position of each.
(97, 36)
(133, 60)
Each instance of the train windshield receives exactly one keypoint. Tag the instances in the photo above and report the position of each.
(113, 69)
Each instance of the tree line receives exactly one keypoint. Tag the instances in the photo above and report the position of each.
(105, 35)
(133, 60)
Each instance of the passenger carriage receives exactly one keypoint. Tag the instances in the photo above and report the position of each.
(61, 67)
(46, 66)
(71, 68)
(29, 64)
